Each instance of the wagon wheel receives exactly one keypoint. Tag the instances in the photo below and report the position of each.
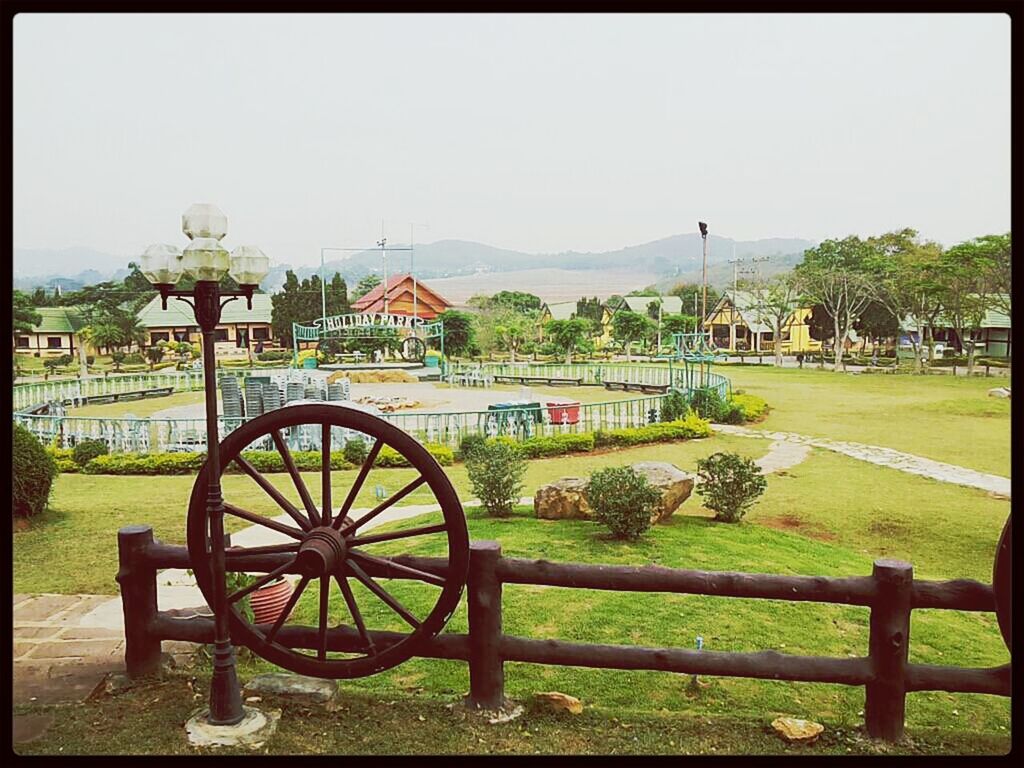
(414, 349)
(1002, 581)
(332, 544)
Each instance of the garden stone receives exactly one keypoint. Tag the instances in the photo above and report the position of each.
(297, 688)
(674, 484)
(793, 730)
(563, 499)
(559, 701)
(999, 392)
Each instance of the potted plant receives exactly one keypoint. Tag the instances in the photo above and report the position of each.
(264, 605)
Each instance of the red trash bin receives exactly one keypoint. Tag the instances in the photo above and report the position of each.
(563, 413)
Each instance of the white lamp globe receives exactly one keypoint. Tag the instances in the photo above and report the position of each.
(161, 264)
(206, 259)
(249, 265)
(204, 220)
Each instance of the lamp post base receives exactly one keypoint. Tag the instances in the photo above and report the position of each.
(252, 731)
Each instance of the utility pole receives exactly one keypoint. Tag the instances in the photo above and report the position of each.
(704, 279)
(732, 304)
(384, 260)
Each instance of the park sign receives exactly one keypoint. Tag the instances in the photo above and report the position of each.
(363, 325)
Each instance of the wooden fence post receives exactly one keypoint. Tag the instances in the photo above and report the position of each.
(885, 703)
(486, 667)
(138, 599)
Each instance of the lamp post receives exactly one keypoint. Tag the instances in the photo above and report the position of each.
(207, 261)
(704, 274)
(412, 270)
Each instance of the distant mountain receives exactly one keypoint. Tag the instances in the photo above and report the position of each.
(670, 260)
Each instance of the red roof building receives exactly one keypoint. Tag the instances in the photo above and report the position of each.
(429, 304)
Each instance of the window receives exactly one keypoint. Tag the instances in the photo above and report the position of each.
(159, 336)
(54, 342)
(21, 342)
(261, 334)
(220, 334)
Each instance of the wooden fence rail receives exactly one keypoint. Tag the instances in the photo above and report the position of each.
(891, 593)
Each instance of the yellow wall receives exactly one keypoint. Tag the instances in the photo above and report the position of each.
(799, 333)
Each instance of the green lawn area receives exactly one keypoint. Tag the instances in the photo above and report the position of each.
(947, 418)
(141, 408)
(87, 510)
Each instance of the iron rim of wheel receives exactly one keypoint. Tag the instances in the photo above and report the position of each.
(414, 349)
(1002, 583)
(332, 551)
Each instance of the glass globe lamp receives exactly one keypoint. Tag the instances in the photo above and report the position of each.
(161, 264)
(249, 265)
(206, 259)
(204, 220)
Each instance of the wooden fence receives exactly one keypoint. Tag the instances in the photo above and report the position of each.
(890, 592)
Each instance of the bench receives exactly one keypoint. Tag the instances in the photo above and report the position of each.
(137, 394)
(551, 381)
(629, 386)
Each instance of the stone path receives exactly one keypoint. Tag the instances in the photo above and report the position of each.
(886, 457)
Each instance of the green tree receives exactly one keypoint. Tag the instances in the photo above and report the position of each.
(876, 322)
(996, 258)
(628, 327)
(104, 335)
(337, 296)
(459, 333)
(25, 315)
(591, 309)
(286, 305)
(517, 301)
(154, 354)
(776, 299)
(513, 329)
(367, 284)
(689, 292)
(964, 293)
(138, 289)
(836, 275)
(671, 324)
(819, 328)
(567, 335)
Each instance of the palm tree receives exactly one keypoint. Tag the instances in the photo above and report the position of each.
(132, 331)
(104, 335)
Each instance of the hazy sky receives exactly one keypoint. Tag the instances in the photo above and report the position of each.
(538, 133)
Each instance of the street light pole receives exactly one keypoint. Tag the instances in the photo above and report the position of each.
(207, 261)
(704, 277)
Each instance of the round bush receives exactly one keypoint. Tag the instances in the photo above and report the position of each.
(32, 473)
(495, 472)
(469, 444)
(87, 450)
(730, 484)
(623, 500)
(355, 452)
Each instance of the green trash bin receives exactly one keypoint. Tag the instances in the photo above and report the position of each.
(432, 360)
(309, 362)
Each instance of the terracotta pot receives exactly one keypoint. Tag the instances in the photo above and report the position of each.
(269, 601)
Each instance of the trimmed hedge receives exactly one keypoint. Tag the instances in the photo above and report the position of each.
(551, 445)
(263, 461)
(693, 426)
(753, 408)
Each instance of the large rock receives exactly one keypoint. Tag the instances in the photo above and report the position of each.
(674, 484)
(297, 688)
(795, 730)
(999, 392)
(563, 499)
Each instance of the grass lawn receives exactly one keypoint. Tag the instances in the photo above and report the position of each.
(402, 724)
(947, 418)
(87, 510)
(141, 408)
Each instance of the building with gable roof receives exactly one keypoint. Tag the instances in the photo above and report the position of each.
(405, 296)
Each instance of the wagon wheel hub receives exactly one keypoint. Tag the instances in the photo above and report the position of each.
(322, 552)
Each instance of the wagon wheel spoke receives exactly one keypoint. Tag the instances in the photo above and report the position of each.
(373, 538)
(353, 608)
(325, 474)
(289, 606)
(275, 494)
(384, 505)
(300, 486)
(234, 597)
(266, 522)
(325, 594)
(416, 573)
(385, 596)
(268, 549)
(358, 484)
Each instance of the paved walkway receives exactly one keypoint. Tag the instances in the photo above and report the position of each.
(886, 457)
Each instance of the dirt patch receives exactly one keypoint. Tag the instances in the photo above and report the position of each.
(794, 524)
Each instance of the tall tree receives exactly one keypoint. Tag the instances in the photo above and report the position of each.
(591, 308)
(517, 301)
(996, 260)
(25, 315)
(776, 299)
(964, 293)
(907, 275)
(690, 295)
(835, 275)
(567, 335)
(459, 333)
(512, 329)
(628, 327)
(285, 308)
(337, 296)
(367, 284)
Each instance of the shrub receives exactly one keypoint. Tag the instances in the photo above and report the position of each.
(752, 407)
(693, 426)
(556, 445)
(495, 472)
(469, 443)
(730, 484)
(90, 359)
(674, 406)
(32, 474)
(87, 450)
(708, 403)
(135, 358)
(355, 452)
(274, 354)
(389, 457)
(622, 500)
(145, 464)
